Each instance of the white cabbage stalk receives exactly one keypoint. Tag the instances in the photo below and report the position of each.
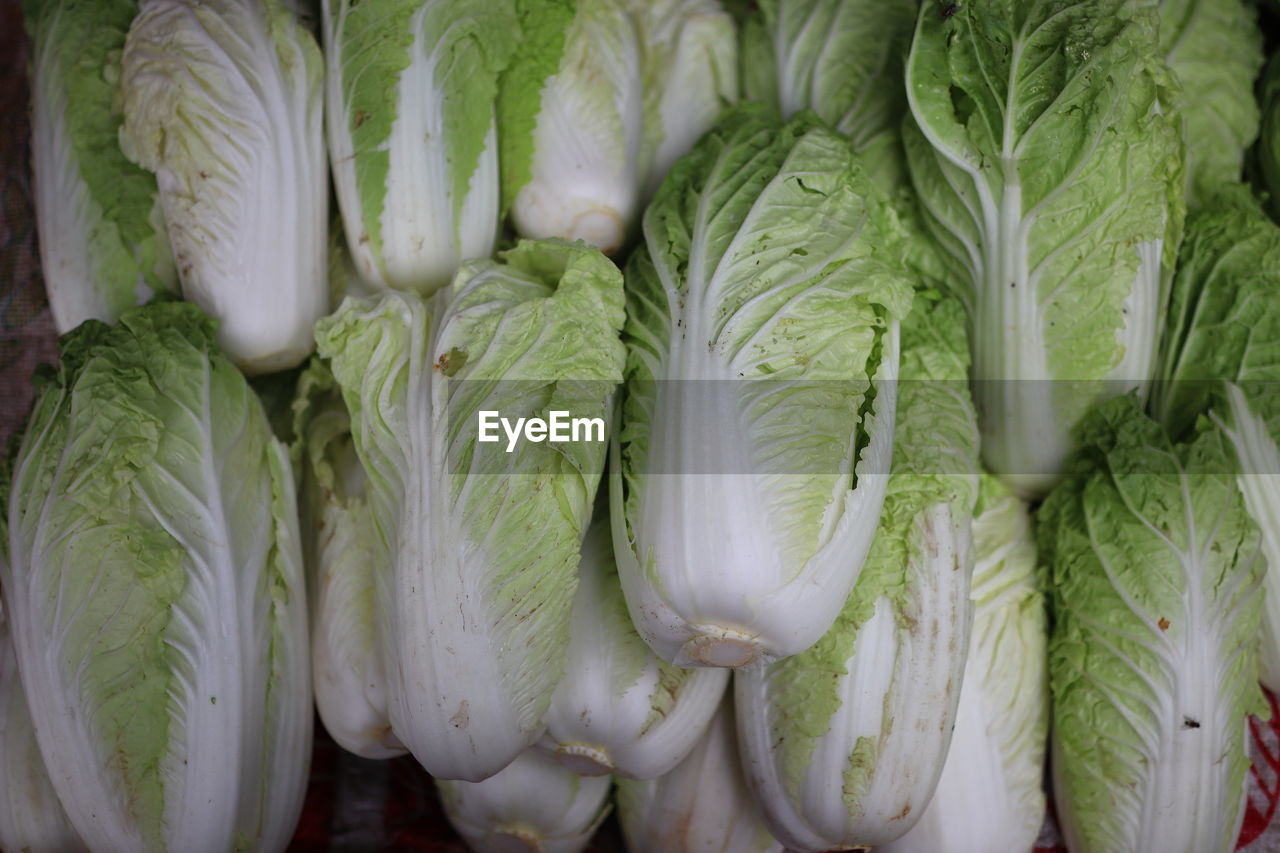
(758, 421)
(31, 817)
(578, 156)
(690, 76)
(102, 246)
(534, 805)
(599, 101)
(223, 101)
(411, 86)
(620, 709)
(478, 547)
(844, 743)
(1155, 572)
(991, 793)
(866, 776)
(701, 806)
(340, 547)
(1051, 178)
(155, 592)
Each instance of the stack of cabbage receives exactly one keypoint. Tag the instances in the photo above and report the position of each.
(931, 237)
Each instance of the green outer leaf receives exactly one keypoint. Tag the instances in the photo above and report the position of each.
(588, 138)
(1050, 174)
(1153, 659)
(340, 549)
(374, 41)
(601, 99)
(1214, 48)
(843, 60)
(269, 820)
(1224, 323)
(545, 25)
(730, 182)
(153, 573)
(74, 66)
(1267, 153)
(320, 422)
(1223, 357)
(84, 38)
(633, 656)
(1008, 649)
(758, 66)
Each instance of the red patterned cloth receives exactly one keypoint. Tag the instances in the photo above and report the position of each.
(1260, 832)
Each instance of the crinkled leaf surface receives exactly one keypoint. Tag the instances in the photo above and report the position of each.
(155, 592)
(1154, 570)
(474, 592)
(1050, 174)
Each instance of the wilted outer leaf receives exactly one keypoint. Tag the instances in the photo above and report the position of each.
(991, 793)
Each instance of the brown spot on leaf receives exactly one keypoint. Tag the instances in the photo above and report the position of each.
(1163, 623)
